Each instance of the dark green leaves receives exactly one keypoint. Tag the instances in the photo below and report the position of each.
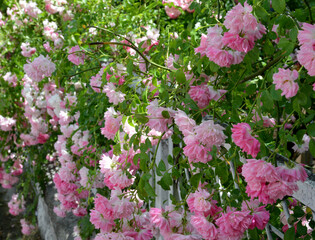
(195, 179)
(162, 166)
(278, 5)
(312, 147)
(289, 234)
(166, 181)
(311, 130)
(267, 100)
(180, 76)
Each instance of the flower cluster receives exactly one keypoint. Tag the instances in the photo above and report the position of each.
(243, 31)
(241, 135)
(40, 68)
(6, 123)
(270, 183)
(76, 55)
(306, 54)
(284, 80)
(174, 12)
(16, 205)
(27, 50)
(27, 228)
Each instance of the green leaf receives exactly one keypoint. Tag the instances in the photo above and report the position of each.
(312, 147)
(117, 150)
(144, 159)
(253, 234)
(311, 130)
(222, 172)
(278, 5)
(237, 101)
(293, 33)
(276, 94)
(166, 181)
(289, 234)
(166, 114)
(170, 160)
(175, 173)
(180, 76)
(214, 67)
(298, 212)
(286, 46)
(129, 67)
(261, 12)
(302, 99)
(149, 189)
(268, 47)
(162, 166)
(296, 105)
(267, 100)
(142, 118)
(195, 179)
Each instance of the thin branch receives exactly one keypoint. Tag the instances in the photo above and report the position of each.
(309, 10)
(219, 9)
(86, 70)
(261, 71)
(136, 49)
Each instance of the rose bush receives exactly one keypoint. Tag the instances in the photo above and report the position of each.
(92, 88)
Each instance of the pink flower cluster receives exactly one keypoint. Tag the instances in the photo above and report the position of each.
(76, 55)
(270, 183)
(107, 210)
(229, 225)
(67, 187)
(149, 40)
(27, 50)
(16, 205)
(241, 135)
(40, 68)
(113, 95)
(114, 177)
(305, 145)
(27, 228)
(112, 123)
(201, 203)
(174, 12)
(203, 94)
(7, 179)
(156, 120)
(30, 8)
(306, 54)
(96, 81)
(243, 31)
(233, 224)
(200, 139)
(170, 223)
(50, 32)
(53, 8)
(284, 80)
(6, 123)
(267, 121)
(10, 78)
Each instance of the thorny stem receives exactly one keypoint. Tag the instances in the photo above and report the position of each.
(86, 70)
(136, 49)
(309, 10)
(259, 72)
(133, 46)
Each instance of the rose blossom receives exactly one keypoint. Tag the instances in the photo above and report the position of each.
(284, 80)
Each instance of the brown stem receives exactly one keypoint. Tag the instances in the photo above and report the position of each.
(135, 48)
(261, 71)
